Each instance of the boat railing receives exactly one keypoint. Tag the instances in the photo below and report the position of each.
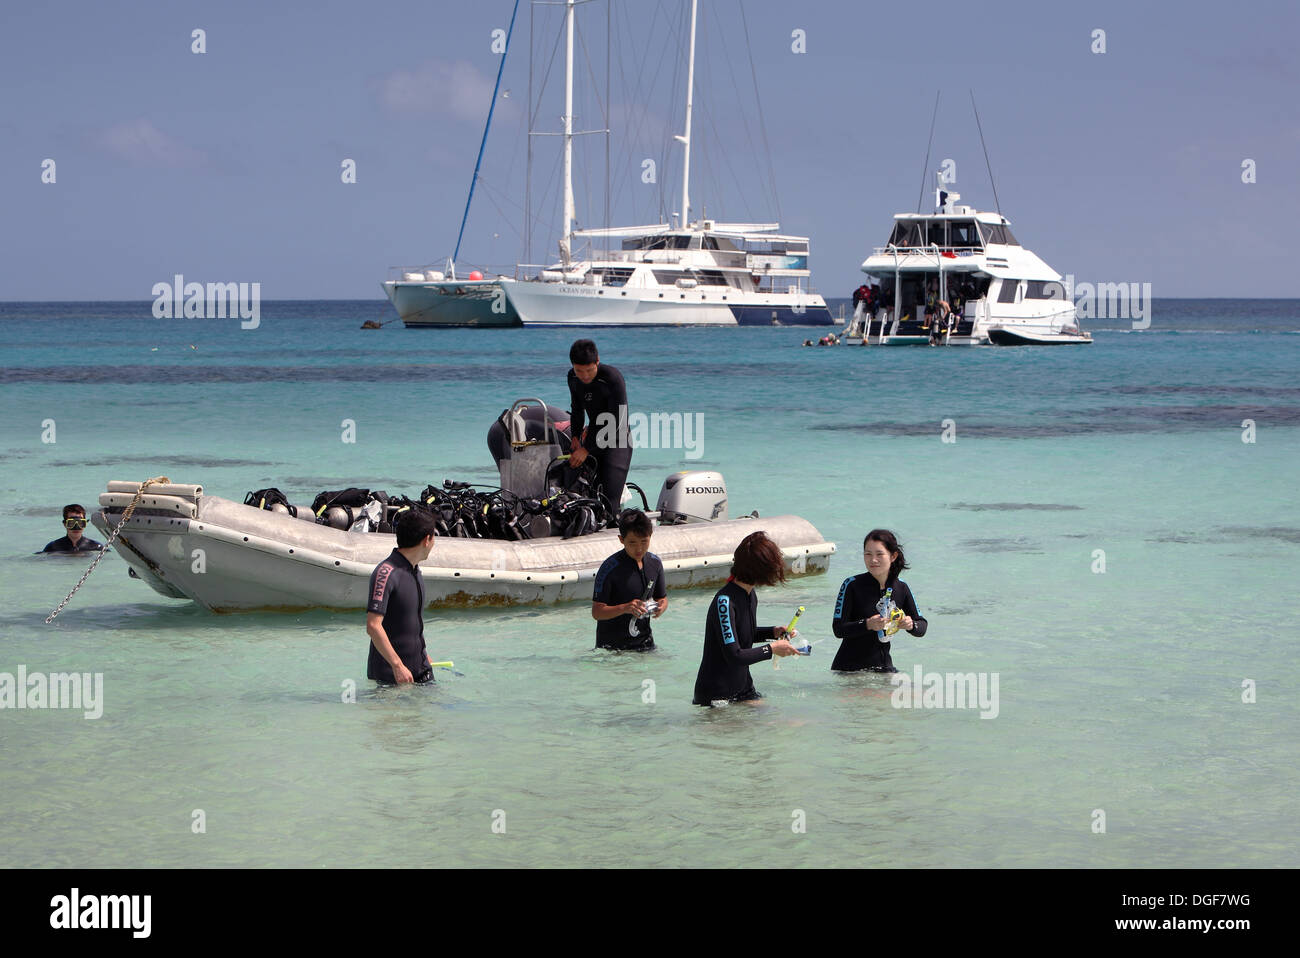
(405, 274)
(928, 250)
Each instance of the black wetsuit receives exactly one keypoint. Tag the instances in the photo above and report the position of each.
(84, 544)
(730, 632)
(863, 648)
(397, 593)
(594, 404)
(621, 580)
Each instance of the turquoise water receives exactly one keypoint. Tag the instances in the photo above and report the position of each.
(1119, 691)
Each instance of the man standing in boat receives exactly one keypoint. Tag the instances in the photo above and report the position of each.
(598, 395)
(395, 609)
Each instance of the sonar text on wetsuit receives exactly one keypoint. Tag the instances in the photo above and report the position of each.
(730, 632)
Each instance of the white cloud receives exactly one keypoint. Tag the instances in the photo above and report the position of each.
(437, 86)
(142, 143)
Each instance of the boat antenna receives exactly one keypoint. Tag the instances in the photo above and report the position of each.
(926, 165)
(986, 153)
(487, 126)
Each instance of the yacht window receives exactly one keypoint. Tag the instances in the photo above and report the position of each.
(615, 275)
(906, 234)
(962, 234)
(644, 242)
(997, 233)
(937, 234)
(1007, 294)
(1044, 289)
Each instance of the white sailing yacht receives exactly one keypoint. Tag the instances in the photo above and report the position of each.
(688, 273)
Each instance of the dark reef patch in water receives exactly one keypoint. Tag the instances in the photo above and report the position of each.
(1283, 533)
(387, 483)
(1106, 420)
(1017, 544)
(1197, 389)
(1013, 506)
(204, 369)
(204, 462)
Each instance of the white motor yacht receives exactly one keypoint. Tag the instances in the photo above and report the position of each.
(959, 277)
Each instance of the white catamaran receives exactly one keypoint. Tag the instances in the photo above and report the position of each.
(959, 277)
(696, 273)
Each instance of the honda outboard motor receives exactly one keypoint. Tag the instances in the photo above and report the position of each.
(693, 497)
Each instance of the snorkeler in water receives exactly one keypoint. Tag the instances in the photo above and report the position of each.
(862, 612)
(74, 520)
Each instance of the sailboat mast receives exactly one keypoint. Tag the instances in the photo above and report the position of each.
(569, 213)
(686, 140)
(478, 163)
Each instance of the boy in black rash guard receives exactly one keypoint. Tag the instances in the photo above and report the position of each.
(731, 628)
(74, 520)
(857, 609)
(598, 395)
(395, 610)
(619, 604)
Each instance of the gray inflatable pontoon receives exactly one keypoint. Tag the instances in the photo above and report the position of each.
(230, 557)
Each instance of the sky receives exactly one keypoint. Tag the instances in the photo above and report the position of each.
(1122, 165)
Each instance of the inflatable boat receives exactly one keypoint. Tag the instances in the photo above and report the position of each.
(231, 557)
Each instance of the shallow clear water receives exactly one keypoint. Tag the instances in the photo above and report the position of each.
(1119, 691)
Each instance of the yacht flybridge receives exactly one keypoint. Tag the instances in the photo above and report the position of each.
(958, 276)
(689, 273)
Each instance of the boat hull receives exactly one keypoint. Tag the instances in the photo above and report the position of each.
(1000, 336)
(577, 304)
(229, 557)
(452, 303)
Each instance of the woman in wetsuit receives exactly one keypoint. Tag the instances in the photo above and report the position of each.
(861, 612)
(731, 628)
